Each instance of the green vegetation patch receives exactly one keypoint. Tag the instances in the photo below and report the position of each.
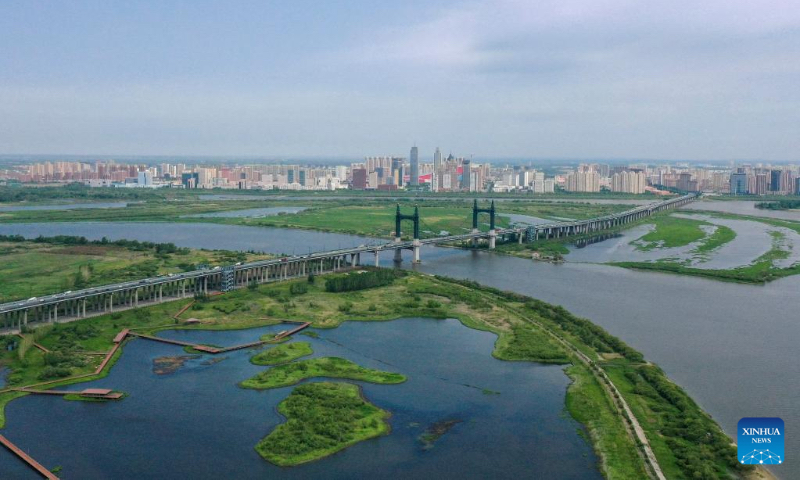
(330, 367)
(720, 237)
(282, 353)
(321, 419)
(531, 344)
(361, 280)
(671, 232)
(589, 404)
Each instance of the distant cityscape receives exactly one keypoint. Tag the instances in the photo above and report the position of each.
(442, 174)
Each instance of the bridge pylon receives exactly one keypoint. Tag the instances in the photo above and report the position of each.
(398, 220)
(492, 231)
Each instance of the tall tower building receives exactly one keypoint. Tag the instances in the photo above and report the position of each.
(414, 180)
(466, 172)
(437, 159)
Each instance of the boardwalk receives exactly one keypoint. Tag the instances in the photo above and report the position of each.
(27, 459)
(215, 350)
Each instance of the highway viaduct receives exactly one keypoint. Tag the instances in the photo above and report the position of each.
(122, 296)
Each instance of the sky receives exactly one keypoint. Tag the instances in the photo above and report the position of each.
(676, 79)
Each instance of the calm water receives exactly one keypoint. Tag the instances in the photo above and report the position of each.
(249, 212)
(199, 423)
(731, 346)
(743, 208)
(63, 206)
(196, 235)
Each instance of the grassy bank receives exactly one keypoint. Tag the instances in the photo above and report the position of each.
(527, 329)
(321, 419)
(329, 367)
(282, 353)
(55, 265)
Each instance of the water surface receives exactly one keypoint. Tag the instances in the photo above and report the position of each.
(741, 207)
(199, 423)
(249, 212)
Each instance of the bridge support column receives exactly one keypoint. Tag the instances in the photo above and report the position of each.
(492, 239)
(398, 255)
(475, 239)
(377, 259)
(417, 246)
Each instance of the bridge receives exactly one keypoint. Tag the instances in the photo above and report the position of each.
(149, 291)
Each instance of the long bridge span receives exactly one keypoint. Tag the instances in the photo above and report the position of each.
(126, 295)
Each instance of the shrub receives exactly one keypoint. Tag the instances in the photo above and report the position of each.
(361, 281)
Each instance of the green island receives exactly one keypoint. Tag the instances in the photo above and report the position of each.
(779, 205)
(288, 374)
(686, 441)
(321, 419)
(282, 353)
(761, 270)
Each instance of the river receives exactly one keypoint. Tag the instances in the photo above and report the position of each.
(731, 346)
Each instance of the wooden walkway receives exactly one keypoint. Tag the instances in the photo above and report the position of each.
(102, 394)
(27, 459)
(215, 350)
(40, 347)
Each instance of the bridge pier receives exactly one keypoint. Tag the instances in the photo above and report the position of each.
(417, 246)
(492, 239)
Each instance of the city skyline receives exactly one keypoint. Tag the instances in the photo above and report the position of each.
(513, 79)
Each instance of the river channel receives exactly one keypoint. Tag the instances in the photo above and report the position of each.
(731, 346)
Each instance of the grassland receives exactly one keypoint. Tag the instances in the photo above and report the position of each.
(282, 353)
(671, 232)
(288, 374)
(321, 419)
(40, 268)
(527, 329)
(368, 216)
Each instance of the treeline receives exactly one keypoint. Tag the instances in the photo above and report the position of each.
(73, 191)
(160, 248)
(701, 449)
(779, 205)
(361, 280)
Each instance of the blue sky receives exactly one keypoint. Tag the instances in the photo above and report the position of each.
(531, 79)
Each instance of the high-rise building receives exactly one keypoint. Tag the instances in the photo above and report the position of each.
(466, 176)
(739, 183)
(359, 178)
(437, 159)
(414, 180)
(775, 180)
(145, 178)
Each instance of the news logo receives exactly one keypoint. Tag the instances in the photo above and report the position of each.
(760, 441)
